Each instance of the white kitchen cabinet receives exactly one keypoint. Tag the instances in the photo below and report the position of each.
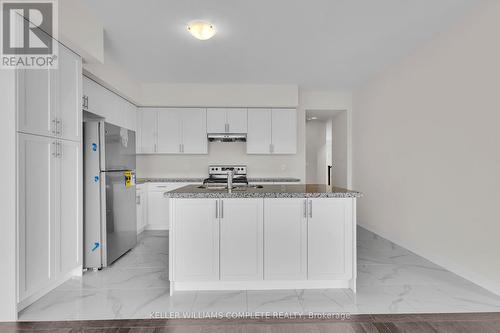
(285, 239)
(284, 131)
(169, 131)
(272, 131)
(35, 114)
(68, 98)
(50, 214)
(37, 195)
(241, 239)
(141, 202)
(158, 209)
(146, 142)
(259, 131)
(196, 240)
(329, 239)
(70, 206)
(112, 107)
(194, 131)
(216, 121)
(173, 131)
(49, 100)
(237, 121)
(226, 120)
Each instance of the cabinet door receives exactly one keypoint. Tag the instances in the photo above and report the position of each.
(285, 239)
(196, 240)
(241, 239)
(330, 239)
(70, 206)
(259, 131)
(68, 92)
(284, 131)
(140, 202)
(35, 112)
(158, 210)
(169, 131)
(36, 213)
(147, 140)
(194, 131)
(216, 120)
(237, 120)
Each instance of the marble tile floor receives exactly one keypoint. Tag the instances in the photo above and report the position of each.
(391, 280)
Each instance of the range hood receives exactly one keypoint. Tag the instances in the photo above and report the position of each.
(227, 137)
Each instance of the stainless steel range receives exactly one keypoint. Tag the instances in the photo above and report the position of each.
(226, 175)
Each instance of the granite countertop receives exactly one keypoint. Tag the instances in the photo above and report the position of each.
(200, 180)
(265, 191)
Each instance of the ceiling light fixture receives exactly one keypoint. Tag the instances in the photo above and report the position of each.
(201, 30)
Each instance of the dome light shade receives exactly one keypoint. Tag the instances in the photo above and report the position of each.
(201, 30)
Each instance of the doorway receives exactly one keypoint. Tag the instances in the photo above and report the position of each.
(327, 147)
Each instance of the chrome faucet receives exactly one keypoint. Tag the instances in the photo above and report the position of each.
(230, 175)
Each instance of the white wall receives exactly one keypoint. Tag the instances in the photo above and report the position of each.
(80, 30)
(340, 149)
(8, 286)
(219, 153)
(219, 95)
(426, 150)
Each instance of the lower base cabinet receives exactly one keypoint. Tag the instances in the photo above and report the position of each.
(241, 239)
(196, 239)
(285, 239)
(255, 241)
(50, 212)
(330, 239)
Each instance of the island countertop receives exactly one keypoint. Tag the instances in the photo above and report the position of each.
(265, 191)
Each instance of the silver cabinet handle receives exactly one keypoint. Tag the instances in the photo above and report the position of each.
(217, 208)
(222, 209)
(59, 122)
(54, 126)
(310, 209)
(54, 149)
(138, 199)
(60, 150)
(182, 147)
(155, 148)
(305, 208)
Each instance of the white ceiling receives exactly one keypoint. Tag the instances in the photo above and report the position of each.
(317, 44)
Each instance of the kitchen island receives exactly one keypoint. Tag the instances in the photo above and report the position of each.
(262, 237)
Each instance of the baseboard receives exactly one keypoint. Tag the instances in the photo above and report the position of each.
(44, 291)
(155, 227)
(487, 284)
(141, 229)
(259, 285)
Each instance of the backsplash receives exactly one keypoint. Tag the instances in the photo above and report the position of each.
(220, 153)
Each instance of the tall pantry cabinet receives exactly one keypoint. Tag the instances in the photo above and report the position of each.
(49, 129)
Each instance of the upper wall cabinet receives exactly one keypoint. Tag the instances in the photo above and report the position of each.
(113, 108)
(49, 99)
(272, 131)
(227, 120)
(172, 131)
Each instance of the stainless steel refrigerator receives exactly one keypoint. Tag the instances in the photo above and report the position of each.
(110, 227)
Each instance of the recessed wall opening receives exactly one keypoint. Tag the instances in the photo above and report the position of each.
(327, 147)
